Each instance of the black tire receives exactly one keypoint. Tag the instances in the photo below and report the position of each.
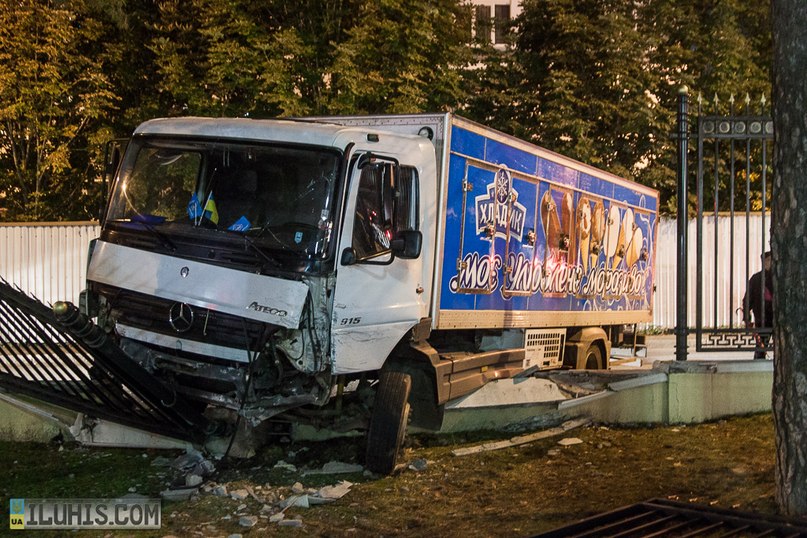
(594, 357)
(388, 422)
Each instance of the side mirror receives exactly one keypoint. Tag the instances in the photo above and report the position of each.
(348, 256)
(407, 244)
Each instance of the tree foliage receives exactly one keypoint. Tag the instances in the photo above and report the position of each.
(597, 80)
(52, 94)
(400, 59)
(593, 79)
(244, 58)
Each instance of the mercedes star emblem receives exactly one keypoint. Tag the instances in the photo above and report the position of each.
(181, 317)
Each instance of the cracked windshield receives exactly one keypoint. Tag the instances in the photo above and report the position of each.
(278, 197)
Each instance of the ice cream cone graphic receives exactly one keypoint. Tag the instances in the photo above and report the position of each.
(551, 224)
(567, 238)
(583, 230)
(597, 232)
(625, 235)
(634, 250)
(612, 224)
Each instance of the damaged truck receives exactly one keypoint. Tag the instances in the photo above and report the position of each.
(348, 272)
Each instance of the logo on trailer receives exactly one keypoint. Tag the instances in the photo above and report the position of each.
(499, 207)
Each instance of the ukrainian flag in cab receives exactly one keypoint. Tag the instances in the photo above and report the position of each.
(211, 213)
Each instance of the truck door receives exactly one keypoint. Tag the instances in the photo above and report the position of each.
(379, 293)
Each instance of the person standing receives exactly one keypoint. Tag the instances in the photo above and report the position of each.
(758, 300)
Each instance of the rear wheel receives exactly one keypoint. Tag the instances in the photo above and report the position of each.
(388, 422)
(594, 357)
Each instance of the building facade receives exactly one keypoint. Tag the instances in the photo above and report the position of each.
(489, 20)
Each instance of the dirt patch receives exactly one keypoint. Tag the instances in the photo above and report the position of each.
(512, 492)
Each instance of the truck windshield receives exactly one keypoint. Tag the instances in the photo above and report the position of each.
(278, 197)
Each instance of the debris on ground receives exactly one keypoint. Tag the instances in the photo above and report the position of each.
(178, 494)
(523, 439)
(273, 500)
(192, 469)
(724, 464)
(419, 464)
(332, 493)
(193, 480)
(248, 521)
(239, 494)
(336, 467)
(282, 465)
(188, 460)
(305, 498)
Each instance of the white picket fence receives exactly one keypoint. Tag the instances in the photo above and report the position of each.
(47, 260)
(50, 261)
(715, 278)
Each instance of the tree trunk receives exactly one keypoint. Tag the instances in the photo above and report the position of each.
(789, 245)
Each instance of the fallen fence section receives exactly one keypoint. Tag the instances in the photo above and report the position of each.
(66, 361)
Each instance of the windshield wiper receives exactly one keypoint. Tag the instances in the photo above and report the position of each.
(249, 242)
(164, 241)
(264, 229)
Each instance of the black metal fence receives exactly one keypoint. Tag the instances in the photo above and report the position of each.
(734, 179)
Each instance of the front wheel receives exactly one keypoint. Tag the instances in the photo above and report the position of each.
(388, 422)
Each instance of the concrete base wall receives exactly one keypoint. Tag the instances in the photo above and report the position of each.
(19, 425)
(702, 392)
(25, 419)
(681, 393)
(670, 393)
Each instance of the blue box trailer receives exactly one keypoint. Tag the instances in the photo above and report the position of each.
(535, 239)
(528, 238)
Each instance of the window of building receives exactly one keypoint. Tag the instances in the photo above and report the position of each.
(501, 23)
(484, 24)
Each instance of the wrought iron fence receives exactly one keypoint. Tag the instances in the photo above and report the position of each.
(733, 182)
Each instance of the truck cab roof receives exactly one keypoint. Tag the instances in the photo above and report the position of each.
(289, 131)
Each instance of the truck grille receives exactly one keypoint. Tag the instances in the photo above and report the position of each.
(152, 314)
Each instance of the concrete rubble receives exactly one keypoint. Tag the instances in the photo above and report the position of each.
(192, 468)
(248, 521)
(418, 465)
(336, 467)
(195, 478)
